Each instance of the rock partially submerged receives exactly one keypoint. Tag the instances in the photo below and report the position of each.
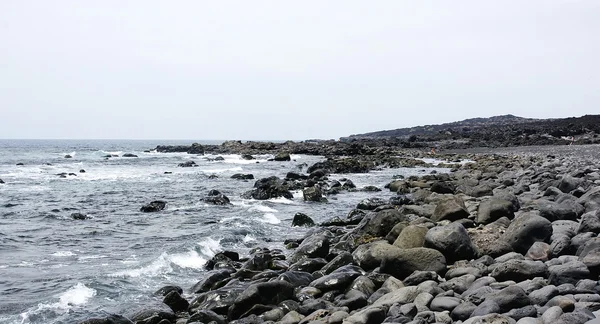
(154, 206)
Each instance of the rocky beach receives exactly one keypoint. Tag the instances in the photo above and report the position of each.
(506, 236)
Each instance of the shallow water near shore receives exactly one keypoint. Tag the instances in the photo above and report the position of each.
(55, 269)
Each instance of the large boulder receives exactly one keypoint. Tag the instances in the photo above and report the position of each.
(569, 183)
(301, 219)
(450, 209)
(452, 241)
(494, 209)
(591, 199)
(380, 224)
(590, 222)
(157, 310)
(154, 206)
(267, 188)
(401, 263)
(411, 236)
(314, 246)
(525, 230)
(282, 156)
(313, 193)
(265, 293)
(519, 270)
(215, 197)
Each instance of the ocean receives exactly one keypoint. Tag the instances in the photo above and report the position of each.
(57, 269)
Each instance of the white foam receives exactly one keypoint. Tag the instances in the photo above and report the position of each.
(263, 209)
(112, 153)
(210, 247)
(157, 267)
(282, 200)
(213, 171)
(88, 257)
(270, 218)
(77, 295)
(62, 254)
(249, 238)
(191, 259)
(237, 159)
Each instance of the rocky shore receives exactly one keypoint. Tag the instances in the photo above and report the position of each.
(506, 238)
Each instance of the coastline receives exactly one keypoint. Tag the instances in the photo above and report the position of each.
(523, 246)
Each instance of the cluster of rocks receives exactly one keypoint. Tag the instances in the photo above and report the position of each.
(505, 239)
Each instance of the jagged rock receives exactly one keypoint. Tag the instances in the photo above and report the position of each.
(187, 164)
(215, 197)
(301, 219)
(313, 193)
(282, 156)
(241, 176)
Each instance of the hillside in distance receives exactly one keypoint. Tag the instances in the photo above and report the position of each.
(497, 131)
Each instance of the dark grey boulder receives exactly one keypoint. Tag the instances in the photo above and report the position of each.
(308, 265)
(301, 219)
(539, 251)
(313, 193)
(266, 293)
(176, 302)
(444, 303)
(463, 311)
(543, 295)
(154, 206)
(509, 298)
(314, 246)
(525, 230)
(519, 270)
(215, 197)
(494, 209)
(267, 188)
(296, 278)
(370, 203)
(206, 316)
(591, 199)
(282, 156)
(452, 241)
(569, 272)
(338, 279)
(450, 209)
(590, 222)
(380, 224)
(211, 279)
(187, 164)
(403, 262)
(157, 310)
(518, 313)
(110, 319)
(241, 176)
(342, 259)
(558, 211)
(459, 284)
(569, 183)
(442, 187)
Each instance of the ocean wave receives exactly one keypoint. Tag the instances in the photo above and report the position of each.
(270, 218)
(62, 254)
(77, 295)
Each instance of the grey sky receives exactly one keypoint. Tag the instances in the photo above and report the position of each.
(288, 70)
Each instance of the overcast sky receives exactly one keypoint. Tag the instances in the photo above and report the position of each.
(288, 69)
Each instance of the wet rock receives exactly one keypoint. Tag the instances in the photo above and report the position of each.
(314, 246)
(187, 164)
(176, 302)
(313, 193)
(163, 291)
(206, 316)
(282, 156)
(79, 216)
(211, 279)
(266, 293)
(450, 209)
(1, 181)
(370, 203)
(342, 259)
(338, 279)
(111, 319)
(154, 206)
(129, 155)
(215, 197)
(241, 176)
(158, 310)
(308, 265)
(296, 278)
(301, 219)
(380, 224)
(218, 300)
(267, 188)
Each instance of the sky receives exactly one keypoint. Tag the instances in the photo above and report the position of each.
(278, 70)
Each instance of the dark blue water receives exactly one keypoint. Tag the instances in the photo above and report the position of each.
(55, 269)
